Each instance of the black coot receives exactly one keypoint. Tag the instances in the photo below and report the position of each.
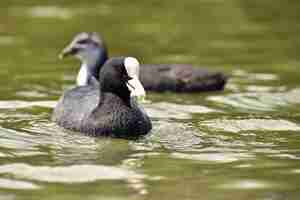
(107, 108)
(91, 50)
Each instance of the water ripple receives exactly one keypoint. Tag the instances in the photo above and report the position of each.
(175, 111)
(16, 104)
(236, 126)
(68, 174)
(213, 157)
(171, 135)
(50, 12)
(19, 185)
(247, 184)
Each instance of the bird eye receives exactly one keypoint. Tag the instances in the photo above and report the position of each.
(82, 41)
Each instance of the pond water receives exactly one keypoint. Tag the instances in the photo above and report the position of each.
(243, 143)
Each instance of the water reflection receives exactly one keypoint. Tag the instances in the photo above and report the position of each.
(246, 185)
(68, 174)
(7, 40)
(26, 104)
(213, 157)
(73, 174)
(17, 185)
(171, 135)
(50, 12)
(236, 125)
(259, 101)
(257, 92)
(165, 110)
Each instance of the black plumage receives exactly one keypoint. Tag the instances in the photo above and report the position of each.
(156, 77)
(180, 78)
(105, 108)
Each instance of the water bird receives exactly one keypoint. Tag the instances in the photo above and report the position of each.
(92, 51)
(107, 107)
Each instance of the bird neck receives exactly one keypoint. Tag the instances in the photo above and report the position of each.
(122, 93)
(108, 83)
(90, 69)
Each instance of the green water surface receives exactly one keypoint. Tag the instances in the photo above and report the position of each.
(242, 143)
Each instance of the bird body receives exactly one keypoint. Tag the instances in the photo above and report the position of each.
(180, 78)
(107, 108)
(154, 77)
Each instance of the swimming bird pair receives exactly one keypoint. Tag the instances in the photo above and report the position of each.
(102, 102)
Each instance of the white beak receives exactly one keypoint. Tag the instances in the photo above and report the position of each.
(136, 88)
